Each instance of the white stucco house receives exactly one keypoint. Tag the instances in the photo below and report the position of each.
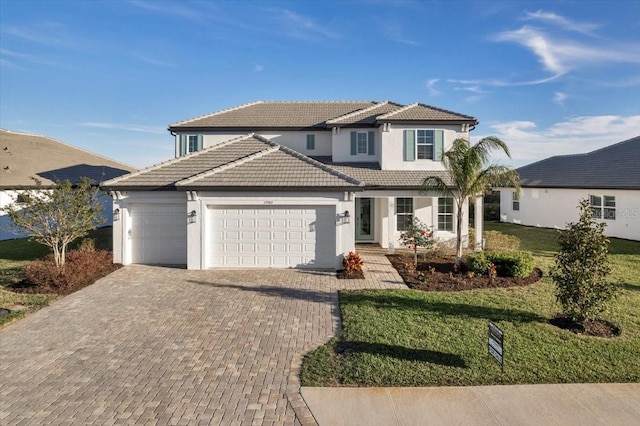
(551, 189)
(288, 184)
(24, 156)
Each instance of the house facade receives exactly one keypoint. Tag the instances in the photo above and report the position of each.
(24, 156)
(288, 184)
(551, 189)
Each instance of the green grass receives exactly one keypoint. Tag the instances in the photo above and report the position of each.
(413, 338)
(16, 253)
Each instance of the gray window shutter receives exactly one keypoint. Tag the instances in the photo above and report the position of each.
(409, 145)
(371, 139)
(183, 144)
(311, 142)
(354, 143)
(438, 142)
(200, 142)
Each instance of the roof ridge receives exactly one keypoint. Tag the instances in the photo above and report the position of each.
(216, 113)
(320, 165)
(360, 111)
(445, 110)
(176, 160)
(404, 108)
(319, 102)
(226, 166)
(70, 146)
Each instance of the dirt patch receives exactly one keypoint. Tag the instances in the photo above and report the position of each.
(357, 275)
(595, 328)
(439, 273)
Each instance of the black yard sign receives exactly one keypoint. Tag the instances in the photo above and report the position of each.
(496, 343)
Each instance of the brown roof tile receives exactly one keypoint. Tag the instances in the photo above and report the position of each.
(366, 116)
(422, 112)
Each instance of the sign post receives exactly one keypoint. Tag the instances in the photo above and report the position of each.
(496, 344)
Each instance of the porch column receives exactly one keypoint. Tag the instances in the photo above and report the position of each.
(391, 224)
(478, 221)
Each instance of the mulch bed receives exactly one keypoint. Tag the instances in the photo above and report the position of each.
(597, 328)
(440, 275)
(342, 275)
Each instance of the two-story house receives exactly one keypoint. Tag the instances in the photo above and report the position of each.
(288, 184)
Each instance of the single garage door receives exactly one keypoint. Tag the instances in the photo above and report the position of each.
(158, 234)
(273, 237)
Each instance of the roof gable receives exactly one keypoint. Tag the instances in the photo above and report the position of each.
(615, 166)
(367, 116)
(422, 112)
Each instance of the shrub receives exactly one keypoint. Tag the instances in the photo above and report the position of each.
(518, 263)
(81, 269)
(416, 235)
(495, 240)
(352, 263)
(582, 266)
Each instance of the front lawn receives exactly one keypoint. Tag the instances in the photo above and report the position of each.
(14, 254)
(414, 338)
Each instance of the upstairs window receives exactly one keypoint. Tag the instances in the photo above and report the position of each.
(424, 143)
(311, 142)
(404, 213)
(193, 143)
(190, 143)
(515, 203)
(362, 143)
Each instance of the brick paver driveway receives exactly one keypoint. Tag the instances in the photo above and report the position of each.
(151, 345)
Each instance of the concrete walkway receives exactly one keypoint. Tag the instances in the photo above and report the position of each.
(561, 405)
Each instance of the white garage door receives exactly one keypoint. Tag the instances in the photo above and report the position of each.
(273, 237)
(158, 234)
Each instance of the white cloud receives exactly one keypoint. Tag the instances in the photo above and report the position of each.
(559, 98)
(529, 143)
(431, 87)
(394, 31)
(127, 127)
(258, 68)
(495, 82)
(301, 27)
(562, 22)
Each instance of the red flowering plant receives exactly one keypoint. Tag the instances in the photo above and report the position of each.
(416, 235)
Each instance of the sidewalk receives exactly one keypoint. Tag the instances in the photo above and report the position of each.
(565, 404)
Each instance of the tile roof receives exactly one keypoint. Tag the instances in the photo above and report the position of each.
(367, 116)
(261, 114)
(318, 114)
(422, 112)
(245, 162)
(372, 177)
(612, 167)
(25, 155)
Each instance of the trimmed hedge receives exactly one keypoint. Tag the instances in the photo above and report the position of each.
(518, 263)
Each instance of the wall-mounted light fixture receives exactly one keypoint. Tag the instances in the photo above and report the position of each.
(193, 216)
(346, 217)
(116, 215)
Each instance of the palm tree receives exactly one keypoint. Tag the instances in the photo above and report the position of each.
(472, 175)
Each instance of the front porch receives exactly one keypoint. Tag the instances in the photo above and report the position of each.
(381, 217)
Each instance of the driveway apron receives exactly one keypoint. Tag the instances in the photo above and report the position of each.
(153, 345)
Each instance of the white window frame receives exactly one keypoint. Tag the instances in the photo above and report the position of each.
(446, 214)
(191, 138)
(431, 144)
(515, 201)
(366, 143)
(609, 207)
(596, 209)
(404, 214)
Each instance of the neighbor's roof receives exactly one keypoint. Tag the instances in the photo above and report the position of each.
(612, 167)
(319, 115)
(374, 178)
(24, 155)
(247, 162)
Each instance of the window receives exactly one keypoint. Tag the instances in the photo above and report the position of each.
(311, 142)
(609, 207)
(362, 142)
(190, 143)
(22, 198)
(445, 214)
(515, 201)
(596, 206)
(404, 212)
(424, 142)
(193, 143)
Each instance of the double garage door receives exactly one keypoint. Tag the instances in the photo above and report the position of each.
(238, 236)
(272, 237)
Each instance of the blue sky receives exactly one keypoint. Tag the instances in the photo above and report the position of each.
(109, 76)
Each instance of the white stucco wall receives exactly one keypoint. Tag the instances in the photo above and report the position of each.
(393, 146)
(341, 146)
(554, 208)
(294, 139)
(198, 239)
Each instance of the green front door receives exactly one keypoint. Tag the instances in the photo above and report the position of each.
(364, 219)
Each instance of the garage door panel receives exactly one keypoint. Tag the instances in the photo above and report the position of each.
(158, 233)
(272, 236)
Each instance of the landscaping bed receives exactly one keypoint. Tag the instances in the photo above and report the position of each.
(438, 273)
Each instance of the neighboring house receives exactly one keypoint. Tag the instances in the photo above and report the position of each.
(551, 189)
(288, 184)
(25, 156)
